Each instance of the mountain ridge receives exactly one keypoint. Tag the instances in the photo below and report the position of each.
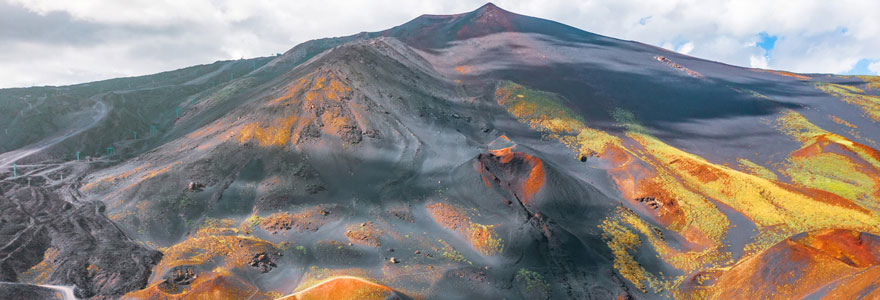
(442, 159)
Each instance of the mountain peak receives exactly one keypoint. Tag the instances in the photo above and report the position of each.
(437, 31)
(491, 7)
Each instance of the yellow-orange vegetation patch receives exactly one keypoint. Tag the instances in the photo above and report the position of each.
(210, 129)
(289, 96)
(777, 209)
(854, 248)
(871, 82)
(852, 129)
(327, 87)
(335, 121)
(676, 207)
(39, 274)
(843, 122)
(767, 203)
(149, 174)
(99, 182)
(681, 183)
(343, 288)
(308, 92)
(755, 169)
(217, 244)
(870, 104)
(277, 133)
(547, 112)
(637, 176)
(687, 261)
(464, 69)
(831, 162)
(641, 177)
(784, 73)
(482, 237)
(623, 242)
(801, 129)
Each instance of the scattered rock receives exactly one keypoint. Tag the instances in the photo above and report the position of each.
(263, 261)
(177, 278)
(195, 186)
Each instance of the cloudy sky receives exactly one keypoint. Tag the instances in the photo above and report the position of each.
(50, 42)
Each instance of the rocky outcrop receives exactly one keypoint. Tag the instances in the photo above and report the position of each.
(91, 252)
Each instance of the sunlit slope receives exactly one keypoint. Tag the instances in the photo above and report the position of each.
(678, 203)
(483, 155)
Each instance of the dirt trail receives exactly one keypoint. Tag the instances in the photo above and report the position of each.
(8, 158)
(66, 291)
(204, 78)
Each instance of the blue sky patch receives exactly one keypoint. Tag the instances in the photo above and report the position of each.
(766, 42)
(861, 67)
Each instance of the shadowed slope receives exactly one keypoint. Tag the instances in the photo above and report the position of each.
(484, 155)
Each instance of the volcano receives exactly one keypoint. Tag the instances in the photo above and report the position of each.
(480, 155)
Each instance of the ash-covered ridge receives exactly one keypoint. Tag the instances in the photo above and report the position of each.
(480, 155)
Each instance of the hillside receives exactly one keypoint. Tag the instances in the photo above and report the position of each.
(481, 155)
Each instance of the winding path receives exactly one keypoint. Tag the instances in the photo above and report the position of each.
(8, 158)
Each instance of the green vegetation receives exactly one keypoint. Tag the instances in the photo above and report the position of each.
(252, 222)
(628, 120)
(451, 254)
(538, 108)
(756, 169)
(547, 112)
(534, 281)
(834, 173)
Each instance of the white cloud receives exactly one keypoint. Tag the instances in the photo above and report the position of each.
(875, 67)
(686, 48)
(726, 30)
(757, 61)
(184, 33)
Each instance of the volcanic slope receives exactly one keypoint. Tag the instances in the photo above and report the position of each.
(485, 154)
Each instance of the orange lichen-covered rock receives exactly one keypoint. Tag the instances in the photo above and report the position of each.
(853, 248)
(363, 234)
(799, 266)
(678, 67)
(310, 219)
(862, 285)
(316, 104)
(482, 237)
(345, 288)
(519, 172)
